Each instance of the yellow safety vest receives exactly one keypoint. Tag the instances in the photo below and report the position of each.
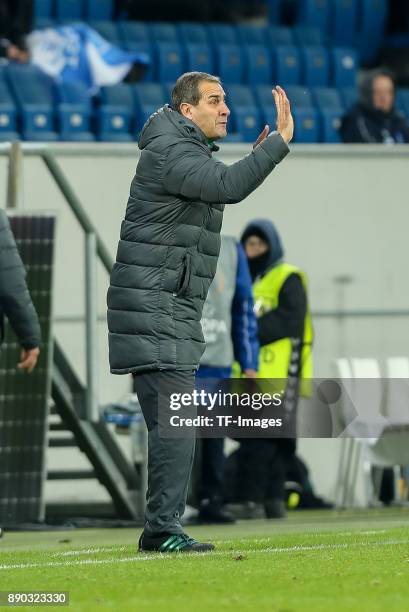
(275, 358)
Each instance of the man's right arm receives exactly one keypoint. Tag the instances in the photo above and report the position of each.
(192, 173)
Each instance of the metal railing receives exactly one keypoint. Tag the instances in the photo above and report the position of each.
(94, 249)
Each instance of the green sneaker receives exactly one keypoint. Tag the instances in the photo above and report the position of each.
(171, 542)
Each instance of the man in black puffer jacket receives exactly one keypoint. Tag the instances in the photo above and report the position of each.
(166, 260)
(15, 300)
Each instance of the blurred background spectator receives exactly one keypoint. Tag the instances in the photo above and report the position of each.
(16, 21)
(374, 119)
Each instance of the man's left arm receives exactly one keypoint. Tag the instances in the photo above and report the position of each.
(244, 323)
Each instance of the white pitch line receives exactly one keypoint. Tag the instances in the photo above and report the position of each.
(167, 556)
(88, 551)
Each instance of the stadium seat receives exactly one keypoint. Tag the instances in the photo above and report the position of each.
(343, 22)
(163, 32)
(307, 129)
(314, 13)
(330, 124)
(34, 94)
(232, 138)
(199, 57)
(229, 63)
(327, 97)
(251, 35)
(131, 32)
(287, 65)
(43, 9)
(257, 64)
(402, 101)
(245, 117)
(274, 11)
(372, 20)
(8, 110)
(108, 30)
(169, 61)
(43, 22)
(263, 95)
(74, 111)
(222, 34)
(167, 88)
(308, 35)
(148, 98)
(276, 35)
(99, 9)
(9, 136)
(344, 67)
(315, 66)
(194, 33)
(69, 9)
(116, 113)
(349, 96)
(299, 96)
(143, 47)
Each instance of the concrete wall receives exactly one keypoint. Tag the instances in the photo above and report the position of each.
(342, 212)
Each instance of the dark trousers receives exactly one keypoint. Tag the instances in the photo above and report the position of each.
(169, 459)
(212, 469)
(260, 470)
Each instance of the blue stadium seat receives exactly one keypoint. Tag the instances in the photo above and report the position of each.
(199, 57)
(315, 66)
(349, 96)
(163, 32)
(327, 97)
(168, 87)
(330, 123)
(229, 63)
(258, 65)
(169, 61)
(245, 117)
(343, 22)
(344, 67)
(34, 94)
(276, 35)
(372, 20)
(74, 112)
(99, 9)
(69, 9)
(133, 32)
(402, 101)
(232, 138)
(222, 34)
(108, 30)
(115, 113)
(267, 106)
(148, 98)
(314, 13)
(307, 128)
(308, 35)
(299, 96)
(287, 65)
(193, 33)
(9, 136)
(8, 110)
(43, 22)
(251, 35)
(144, 47)
(43, 9)
(274, 11)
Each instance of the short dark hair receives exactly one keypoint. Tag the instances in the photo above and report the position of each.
(186, 88)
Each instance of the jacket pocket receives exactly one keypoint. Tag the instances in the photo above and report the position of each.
(184, 276)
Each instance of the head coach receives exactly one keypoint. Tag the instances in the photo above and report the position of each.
(166, 260)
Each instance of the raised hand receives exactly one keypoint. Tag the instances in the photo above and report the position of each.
(285, 122)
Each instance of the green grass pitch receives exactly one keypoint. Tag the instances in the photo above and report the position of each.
(313, 561)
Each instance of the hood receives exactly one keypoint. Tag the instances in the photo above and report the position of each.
(365, 91)
(265, 229)
(167, 121)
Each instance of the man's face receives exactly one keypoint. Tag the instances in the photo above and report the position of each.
(211, 113)
(383, 93)
(255, 246)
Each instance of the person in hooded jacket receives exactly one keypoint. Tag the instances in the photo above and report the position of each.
(166, 259)
(374, 119)
(285, 337)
